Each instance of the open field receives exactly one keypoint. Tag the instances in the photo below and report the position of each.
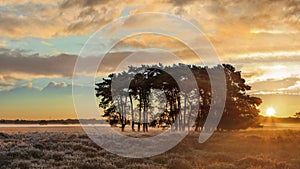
(251, 149)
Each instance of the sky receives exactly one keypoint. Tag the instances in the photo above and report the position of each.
(41, 40)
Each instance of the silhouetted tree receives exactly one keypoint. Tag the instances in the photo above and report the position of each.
(240, 108)
(297, 115)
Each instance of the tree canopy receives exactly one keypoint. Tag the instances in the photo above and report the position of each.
(149, 96)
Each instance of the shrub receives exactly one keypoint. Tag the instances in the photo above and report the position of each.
(4, 159)
(260, 162)
(4, 136)
(92, 164)
(179, 164)
(221, 165)
(22, 164)
(160, 159)
(220, 157)
(35, 153)
(138, 166)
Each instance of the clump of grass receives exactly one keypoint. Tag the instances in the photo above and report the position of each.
(260, 161)
(4, 135)
(56, 156)
(23, 164)
(5, 159)
(139, 166)
(220, 157)
(162, 159)
(254, 138)
(97, 162)
(34, 153)
(179, 164)
(221, 165)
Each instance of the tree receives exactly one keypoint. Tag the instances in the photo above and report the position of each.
(297, 115)
(240, 108)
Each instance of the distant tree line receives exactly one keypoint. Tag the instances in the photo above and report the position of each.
(45, 122)
(149, 96)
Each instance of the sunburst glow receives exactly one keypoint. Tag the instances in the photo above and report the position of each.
(271, 111)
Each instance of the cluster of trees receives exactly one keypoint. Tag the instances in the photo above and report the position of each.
(297, 115)
(149, 96)
(45, 122)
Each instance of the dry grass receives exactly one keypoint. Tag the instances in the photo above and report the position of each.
(229, 150)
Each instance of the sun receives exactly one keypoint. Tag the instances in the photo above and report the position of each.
(271, 111)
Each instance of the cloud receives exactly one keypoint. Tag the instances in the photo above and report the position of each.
(54, 84)
(81, 3)
(29, 20)
(18, 63)
(252, 74)
(3, 44)
(275, 85)
(21, 2)
(181, 2)
(5, 86)
(144, 41)
(46, 43)
(270, 71)
(7, 82)
(292, 89)
(261, 57)
(54, 88)
(243, 32)
(28, 85)
(48, 19)
(232, 26)
(273, 31)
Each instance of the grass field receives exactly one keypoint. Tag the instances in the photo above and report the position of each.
(251, 149)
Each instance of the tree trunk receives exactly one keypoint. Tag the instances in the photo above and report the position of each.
(132, 114)
(140, 112)
(123, 114)
(144, 114)
(184, 115)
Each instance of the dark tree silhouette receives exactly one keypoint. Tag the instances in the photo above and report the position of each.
(240, 109)
(131, 101)
(297, 115)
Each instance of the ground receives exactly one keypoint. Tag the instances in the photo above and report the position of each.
(251, 149)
